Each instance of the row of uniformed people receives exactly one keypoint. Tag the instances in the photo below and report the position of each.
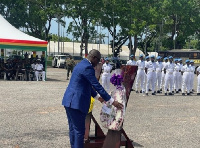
(173, 76)
(13, 67)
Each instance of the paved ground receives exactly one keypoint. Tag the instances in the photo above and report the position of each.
(31, 115)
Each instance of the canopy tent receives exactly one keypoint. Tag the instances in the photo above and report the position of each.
(12, 38)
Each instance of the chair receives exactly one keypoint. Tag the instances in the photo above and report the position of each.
(20, 76)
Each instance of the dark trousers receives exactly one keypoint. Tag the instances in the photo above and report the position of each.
(76, 121)
(69, 69)
(9, 74)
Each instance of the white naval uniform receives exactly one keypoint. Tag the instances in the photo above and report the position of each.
(180, 76)
(163, 75)
(159, 74)
(186, 69)
(39, 70)
(151, 75)
(145, 77)
(192, 77)
(176, 76)
(169, 77)
(106, 76)
(198, 80)
(140, 75)
(131, 62)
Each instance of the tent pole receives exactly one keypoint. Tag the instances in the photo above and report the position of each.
(45, 65)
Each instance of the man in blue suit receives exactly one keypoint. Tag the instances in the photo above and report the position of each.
(83, 84)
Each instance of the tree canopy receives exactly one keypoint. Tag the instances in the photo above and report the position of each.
(154, 24)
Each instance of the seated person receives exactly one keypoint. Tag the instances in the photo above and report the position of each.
(39, 69)
(19, 67)
(8, 68)
(29, 70)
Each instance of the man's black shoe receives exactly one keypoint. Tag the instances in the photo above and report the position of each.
(167, 89)
(149, 89)
(198, 94)
(183, 94)
(173, 92)
(137, 91)
(158, 91)
(177, 92)
(170, 94)
(165, 94)
(153, 94)
(188, 94)
(146, 94)
(140, 91)
(161, 89)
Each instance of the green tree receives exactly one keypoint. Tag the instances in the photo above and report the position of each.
(180, 21)
(33, 15)
(84, 17)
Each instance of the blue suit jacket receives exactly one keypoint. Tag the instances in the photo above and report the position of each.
(80, 89)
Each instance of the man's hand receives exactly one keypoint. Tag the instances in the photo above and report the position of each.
(117, 105)
(101, 99)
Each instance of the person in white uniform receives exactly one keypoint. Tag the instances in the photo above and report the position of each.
(132, 60)
(133, 63)
(140, 74)
(39, 69)
(168, 70)
(159, 73)
(186, 69)
(145, 80)
(150, 70)
(163, 74)
(198, 81)
(107, 68)
(192, 76)
(176, 75)
(180, 75)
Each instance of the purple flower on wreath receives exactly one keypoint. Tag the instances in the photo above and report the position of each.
(116, 80)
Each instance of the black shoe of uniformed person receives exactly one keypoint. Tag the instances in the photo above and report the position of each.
(140, 91)
(188, 94)
(170, 94)
(167, 89)
(153, 94)
(173, 92)
(177, 92)
(137, 91)
(149, 89)
(183, 94)
(165, 94)
(161, 89)
(146, 94)
(198, 94)
(158, 91)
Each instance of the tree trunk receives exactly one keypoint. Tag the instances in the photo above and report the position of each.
(135, 44)
(130, 45)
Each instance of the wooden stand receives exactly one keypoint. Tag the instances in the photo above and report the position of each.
(113, 139)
